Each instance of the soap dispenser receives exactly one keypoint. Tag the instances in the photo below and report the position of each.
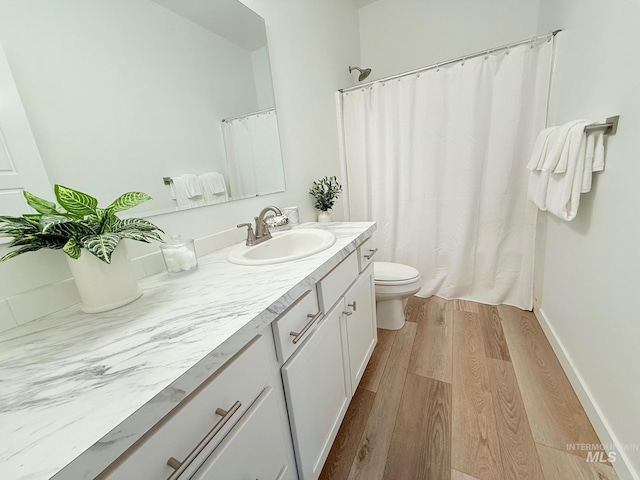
(179, 255)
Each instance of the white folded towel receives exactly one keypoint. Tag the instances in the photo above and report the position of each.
(214, 187)
(594, 161)
(561, 164)
(540, 147)
(213, 182)
(193, 185)
(184, 190)
(552, 148)
(563, 192)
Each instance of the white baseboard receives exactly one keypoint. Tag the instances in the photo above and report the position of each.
(622, 465)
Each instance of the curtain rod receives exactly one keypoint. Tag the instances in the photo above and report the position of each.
(448, 62)
(266, 110)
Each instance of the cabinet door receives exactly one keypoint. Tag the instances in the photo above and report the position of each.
(360, 322)
(254, 449)
(315, 383)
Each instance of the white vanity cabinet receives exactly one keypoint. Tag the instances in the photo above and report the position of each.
(222, 422)
(321, 376)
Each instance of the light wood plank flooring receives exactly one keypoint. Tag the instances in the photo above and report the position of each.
(464, 391)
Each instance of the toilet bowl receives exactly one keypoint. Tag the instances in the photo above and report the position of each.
(394, 283)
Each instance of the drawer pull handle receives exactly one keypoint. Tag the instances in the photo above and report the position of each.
(298, 335)
(180, 467)
(371, 253)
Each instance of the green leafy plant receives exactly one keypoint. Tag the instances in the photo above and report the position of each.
(326, 191)
(77, 223)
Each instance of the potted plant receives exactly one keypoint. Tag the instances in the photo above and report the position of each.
(326, 191)
(104, 276)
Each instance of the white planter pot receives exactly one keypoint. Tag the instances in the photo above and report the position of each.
(324, 217)
(104, 286)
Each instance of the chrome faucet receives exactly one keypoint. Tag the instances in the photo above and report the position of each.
(262, 232)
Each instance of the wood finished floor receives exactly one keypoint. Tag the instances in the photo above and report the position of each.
(464, 391)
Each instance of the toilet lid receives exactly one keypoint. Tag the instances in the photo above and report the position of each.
(387, 273)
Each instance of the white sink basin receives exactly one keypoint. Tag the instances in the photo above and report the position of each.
(283, 247)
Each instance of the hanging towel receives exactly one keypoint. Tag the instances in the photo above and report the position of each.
(193, 186)
(594, 161)
(550, 154)
(563, 192)
(552, 148)
(561, 164)
(544, 139)
(214, 187)
(185, 191)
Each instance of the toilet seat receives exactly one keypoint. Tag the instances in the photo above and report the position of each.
(388, 273)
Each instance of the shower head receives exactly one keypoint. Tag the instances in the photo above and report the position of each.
(363, 73)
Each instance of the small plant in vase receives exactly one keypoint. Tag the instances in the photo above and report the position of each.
(78, 224)
(325, 191)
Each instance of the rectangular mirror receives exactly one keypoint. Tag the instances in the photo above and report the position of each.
(122, 95)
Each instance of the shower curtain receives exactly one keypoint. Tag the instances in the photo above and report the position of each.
(438, 160)
(254, 160)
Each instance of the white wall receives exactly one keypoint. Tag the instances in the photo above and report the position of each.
(311, 44)
(401, 35)
(592, 265)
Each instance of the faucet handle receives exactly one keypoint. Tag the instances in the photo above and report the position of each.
(251, 237)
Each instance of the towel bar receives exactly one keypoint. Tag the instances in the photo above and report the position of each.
(610, 126)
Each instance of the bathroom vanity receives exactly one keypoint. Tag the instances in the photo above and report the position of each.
(229, 372)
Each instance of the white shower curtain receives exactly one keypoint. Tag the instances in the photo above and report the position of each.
(438, 160)
(254, 160)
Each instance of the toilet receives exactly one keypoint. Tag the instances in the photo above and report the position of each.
(394, 282)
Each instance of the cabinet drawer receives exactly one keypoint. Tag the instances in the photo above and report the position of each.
(366, 252)
(295, 324)
(255, 448)
(233, 388)
(332, 286)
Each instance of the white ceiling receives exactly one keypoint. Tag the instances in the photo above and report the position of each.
(228, 18)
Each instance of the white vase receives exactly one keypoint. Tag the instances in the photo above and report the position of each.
(104, 286)
(324, 217)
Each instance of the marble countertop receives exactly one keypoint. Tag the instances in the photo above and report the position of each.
(78, 389)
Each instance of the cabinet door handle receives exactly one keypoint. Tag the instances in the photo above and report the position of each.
(298, 335)
(350, 305)
(371, 253)
(180, 467)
